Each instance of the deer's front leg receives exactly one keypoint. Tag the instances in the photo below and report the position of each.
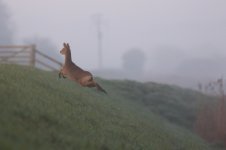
(61, 74)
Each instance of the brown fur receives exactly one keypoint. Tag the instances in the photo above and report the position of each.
(75, 73)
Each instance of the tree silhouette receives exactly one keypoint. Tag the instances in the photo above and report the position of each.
(6, 32)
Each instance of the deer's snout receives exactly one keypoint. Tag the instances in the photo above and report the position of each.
(62, 51)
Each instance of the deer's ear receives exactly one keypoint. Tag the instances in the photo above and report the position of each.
(68, 46)
(65, 45)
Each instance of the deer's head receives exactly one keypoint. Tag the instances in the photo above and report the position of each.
(65, 49)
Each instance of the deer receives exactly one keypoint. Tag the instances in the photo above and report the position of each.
(75, 73)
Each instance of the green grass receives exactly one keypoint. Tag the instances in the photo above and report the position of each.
(40, 111)
(175, 104)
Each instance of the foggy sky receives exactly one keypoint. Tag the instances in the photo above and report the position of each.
(170, 32)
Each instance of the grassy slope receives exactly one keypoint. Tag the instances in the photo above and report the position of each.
(171, 102)
(38, 111)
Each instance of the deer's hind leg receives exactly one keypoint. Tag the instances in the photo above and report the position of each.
(87, 81)
(91, 84)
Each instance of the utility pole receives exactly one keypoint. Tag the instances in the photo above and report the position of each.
(98, 22)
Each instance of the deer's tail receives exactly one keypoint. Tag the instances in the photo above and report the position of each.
(99, 88)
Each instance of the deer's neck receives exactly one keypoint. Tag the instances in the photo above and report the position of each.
(68, 58)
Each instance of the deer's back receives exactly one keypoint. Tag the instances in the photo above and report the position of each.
(76, 73)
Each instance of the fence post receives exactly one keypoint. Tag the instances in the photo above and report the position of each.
(32, 57)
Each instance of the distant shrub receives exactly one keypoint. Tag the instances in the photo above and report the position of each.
(211, 118)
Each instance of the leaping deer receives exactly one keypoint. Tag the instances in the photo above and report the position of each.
(75, 73)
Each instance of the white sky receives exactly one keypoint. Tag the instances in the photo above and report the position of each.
(168, 31)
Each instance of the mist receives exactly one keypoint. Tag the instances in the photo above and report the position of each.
(144, 74)
(183, 41)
